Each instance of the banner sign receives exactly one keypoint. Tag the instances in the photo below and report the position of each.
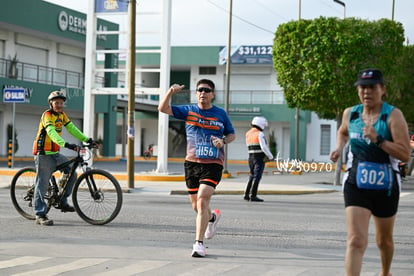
(107, 6)
(14, 95)
(247, 54)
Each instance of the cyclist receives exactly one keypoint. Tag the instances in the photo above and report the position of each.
(46, 154)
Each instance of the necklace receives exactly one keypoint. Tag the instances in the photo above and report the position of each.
(370, 119)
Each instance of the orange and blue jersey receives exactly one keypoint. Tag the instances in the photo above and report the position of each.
(201, 125)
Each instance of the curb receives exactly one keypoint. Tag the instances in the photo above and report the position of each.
(143, 177)
(124, 177)
(268, 192)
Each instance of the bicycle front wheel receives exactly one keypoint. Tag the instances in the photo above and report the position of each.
(22, 192)
(97, 197)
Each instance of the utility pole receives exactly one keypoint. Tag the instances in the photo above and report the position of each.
(297, 113)
(131, 95)
(337, 179)
(227, 91)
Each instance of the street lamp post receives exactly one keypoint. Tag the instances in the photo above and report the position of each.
(297, 111)
(227, 90)
(342, 4)
(337, 179)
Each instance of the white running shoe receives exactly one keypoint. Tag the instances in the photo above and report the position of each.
(212, 226)
(198, 250)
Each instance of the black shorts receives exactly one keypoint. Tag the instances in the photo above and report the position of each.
(197, 173)
(380, 203)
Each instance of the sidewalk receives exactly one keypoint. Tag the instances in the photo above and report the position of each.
(271, 183)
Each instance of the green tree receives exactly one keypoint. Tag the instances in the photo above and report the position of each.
(403, 96)
(317, 60)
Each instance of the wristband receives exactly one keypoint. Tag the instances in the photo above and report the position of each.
(224, 140)
(380, 140)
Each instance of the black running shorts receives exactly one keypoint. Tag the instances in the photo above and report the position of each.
(381, 203)
(197, 173)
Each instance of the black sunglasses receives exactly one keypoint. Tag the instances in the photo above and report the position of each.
(204, 89)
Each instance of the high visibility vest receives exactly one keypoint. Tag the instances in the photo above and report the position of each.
(252, 142)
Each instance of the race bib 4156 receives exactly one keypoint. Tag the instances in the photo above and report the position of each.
(206, 151)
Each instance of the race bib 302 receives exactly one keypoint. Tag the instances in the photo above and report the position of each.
(374, 176)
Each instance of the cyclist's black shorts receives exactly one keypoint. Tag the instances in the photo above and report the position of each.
(197, 173)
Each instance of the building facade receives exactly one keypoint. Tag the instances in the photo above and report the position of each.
(253, 92)
(42, 49)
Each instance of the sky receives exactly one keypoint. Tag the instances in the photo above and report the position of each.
(254, 22)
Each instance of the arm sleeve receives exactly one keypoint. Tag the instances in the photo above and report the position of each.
(54, 136)
(264, 146)
(228, 126)
(75, 132)
(180, 112)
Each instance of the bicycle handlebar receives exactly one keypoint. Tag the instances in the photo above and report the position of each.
(93, 145)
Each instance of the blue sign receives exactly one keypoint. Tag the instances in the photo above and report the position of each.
(247, 54)
(111, 6)
(14, 95)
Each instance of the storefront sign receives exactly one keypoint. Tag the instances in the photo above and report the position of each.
(245, 110)
(71, 23)
(111, 6)
(14, 95)
(248, 54)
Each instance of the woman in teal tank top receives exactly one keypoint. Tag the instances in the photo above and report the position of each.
(378, 137)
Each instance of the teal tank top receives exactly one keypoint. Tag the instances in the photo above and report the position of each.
(362, 149)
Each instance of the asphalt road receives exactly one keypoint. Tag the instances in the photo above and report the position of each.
(153, 235)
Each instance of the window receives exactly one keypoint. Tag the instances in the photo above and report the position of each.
(207, 70)
(325, 139)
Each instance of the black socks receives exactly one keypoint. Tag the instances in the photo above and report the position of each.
(213, 218)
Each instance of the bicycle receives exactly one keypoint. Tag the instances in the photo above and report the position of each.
(96, 195)
(149, 152)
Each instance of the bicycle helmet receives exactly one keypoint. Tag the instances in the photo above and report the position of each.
(260, 122)
(56, 95)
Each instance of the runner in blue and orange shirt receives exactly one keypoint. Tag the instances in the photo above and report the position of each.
(208, 128)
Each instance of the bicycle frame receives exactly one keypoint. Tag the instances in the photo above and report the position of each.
(55, 196)
(77, 161)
